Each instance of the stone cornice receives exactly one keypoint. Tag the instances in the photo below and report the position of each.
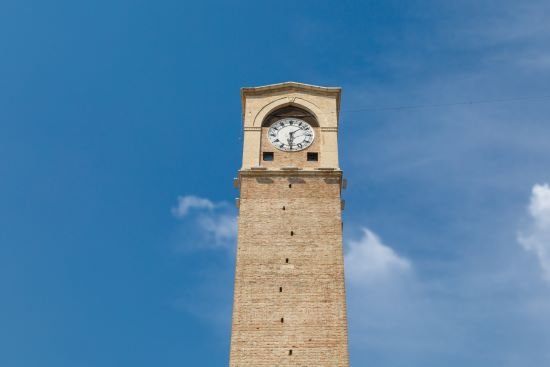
(290, 86)
(291, 173)
(259, 128)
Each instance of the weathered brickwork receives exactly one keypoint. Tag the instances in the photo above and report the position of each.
(289, 301)
(297, 305)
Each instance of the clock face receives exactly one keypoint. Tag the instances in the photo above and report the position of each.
(291, 134)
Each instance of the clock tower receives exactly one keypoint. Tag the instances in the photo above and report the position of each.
(289, 301)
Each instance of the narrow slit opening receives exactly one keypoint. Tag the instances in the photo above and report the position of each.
(282, 320)
(292, 233)
(287, 260)
(280, 289)
(290, 352)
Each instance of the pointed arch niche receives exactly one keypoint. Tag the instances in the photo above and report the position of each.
(289, 102)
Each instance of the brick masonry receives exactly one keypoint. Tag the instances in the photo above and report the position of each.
(312, 301)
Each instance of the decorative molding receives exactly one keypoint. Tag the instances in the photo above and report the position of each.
(326, 168)
(263, 173)
(289, 168)
(252, 128)
(291, 86)
(330, 128)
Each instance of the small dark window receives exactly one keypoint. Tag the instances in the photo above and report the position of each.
(280, 289)
(312, 156)
(268, 156)
(287, 260)
(282, 320)
(292, 233)
(284, 208)
(289, 186)
(290, 352)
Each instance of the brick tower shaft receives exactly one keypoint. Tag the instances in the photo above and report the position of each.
(289, 300)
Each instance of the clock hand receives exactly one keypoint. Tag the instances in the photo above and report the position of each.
(289, 143)
(295, 131)
(291, 138)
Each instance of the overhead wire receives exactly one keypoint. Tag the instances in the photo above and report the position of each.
(437, 105)
(450, 104)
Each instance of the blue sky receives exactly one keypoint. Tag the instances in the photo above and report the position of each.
(120, 135)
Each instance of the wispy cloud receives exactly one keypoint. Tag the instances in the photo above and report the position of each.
(369, 260)
(389, 306)
(206, 224)
(536, 239)
(222, 227)
(186, 203)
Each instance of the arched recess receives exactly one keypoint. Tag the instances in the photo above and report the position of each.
(289, 101)
(292, 111)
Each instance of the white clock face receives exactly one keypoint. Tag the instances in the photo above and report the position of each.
(291, 134)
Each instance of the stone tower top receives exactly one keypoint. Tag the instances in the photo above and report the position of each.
(264, 106)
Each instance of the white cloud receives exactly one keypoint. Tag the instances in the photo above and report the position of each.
(186, 203)
(211, 225)
(369, 260)
(223, 228)
(537, 238)
(391, 310)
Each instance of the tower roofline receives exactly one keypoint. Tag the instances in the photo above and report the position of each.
(270, 88)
